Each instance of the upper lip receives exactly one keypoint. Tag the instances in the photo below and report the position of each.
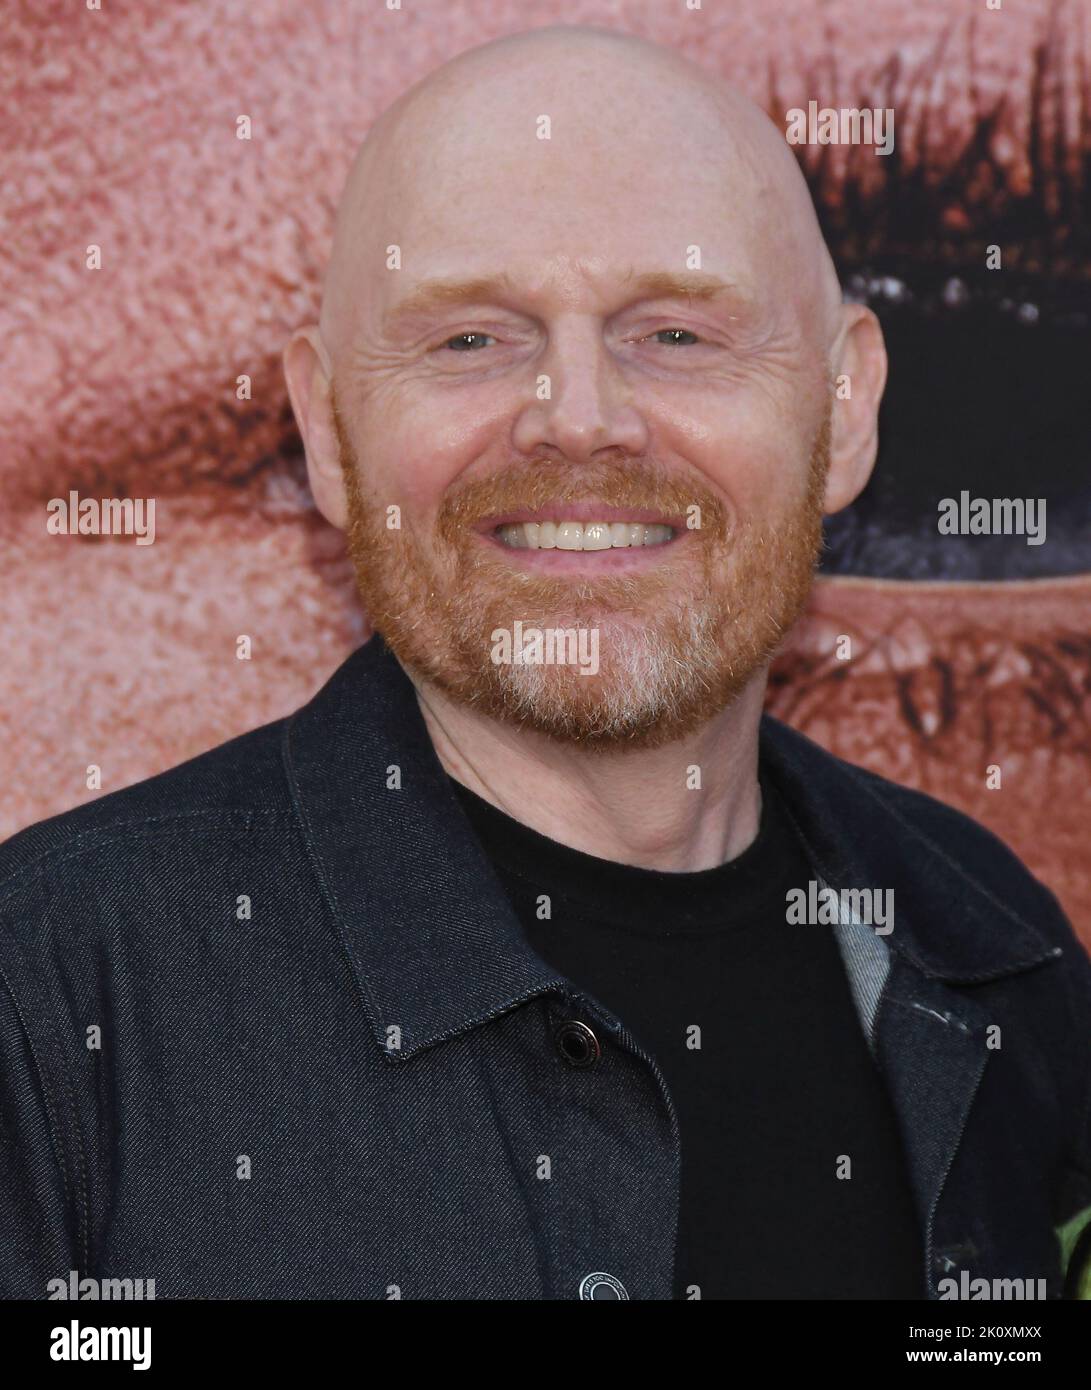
(580, 511)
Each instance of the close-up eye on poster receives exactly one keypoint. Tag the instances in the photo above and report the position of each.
(546, 721)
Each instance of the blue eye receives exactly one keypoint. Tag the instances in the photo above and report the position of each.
(677, 331)
(463, 338)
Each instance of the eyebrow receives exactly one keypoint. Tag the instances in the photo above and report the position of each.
(436, 294)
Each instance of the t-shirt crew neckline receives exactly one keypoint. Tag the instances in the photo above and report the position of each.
(627, 895)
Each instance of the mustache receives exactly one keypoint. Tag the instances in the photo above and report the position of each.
(637, 485)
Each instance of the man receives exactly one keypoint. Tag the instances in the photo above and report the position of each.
(527, 960)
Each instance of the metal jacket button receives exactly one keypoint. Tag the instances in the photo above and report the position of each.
(577, 1044)
(600, 1285)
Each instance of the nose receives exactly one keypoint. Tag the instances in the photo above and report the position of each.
(583, 403)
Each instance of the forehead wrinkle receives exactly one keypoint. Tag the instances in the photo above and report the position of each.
(758, 172)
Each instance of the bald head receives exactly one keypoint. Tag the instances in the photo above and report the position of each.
(568, 140)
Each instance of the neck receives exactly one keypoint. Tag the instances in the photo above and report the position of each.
(638, 807)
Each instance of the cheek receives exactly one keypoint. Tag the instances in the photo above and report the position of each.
(750, 445)
(410, 473)
(413, 454)
(759, 479)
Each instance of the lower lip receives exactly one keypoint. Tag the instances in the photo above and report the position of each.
(624, 557)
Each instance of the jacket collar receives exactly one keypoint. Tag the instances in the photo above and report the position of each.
(863, 832)
(434, 945)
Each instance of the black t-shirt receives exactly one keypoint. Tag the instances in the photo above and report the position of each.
(782, 1088)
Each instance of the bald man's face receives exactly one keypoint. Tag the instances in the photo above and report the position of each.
(548, 419)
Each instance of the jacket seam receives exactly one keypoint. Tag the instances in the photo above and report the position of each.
(77, 1201)
(62, 854)
(303, 830)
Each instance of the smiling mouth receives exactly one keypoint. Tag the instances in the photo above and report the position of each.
(582, 535)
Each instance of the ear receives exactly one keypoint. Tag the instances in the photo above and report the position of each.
(307, 370)
(859, 371)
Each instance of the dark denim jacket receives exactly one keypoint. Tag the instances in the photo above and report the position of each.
(269, 1028)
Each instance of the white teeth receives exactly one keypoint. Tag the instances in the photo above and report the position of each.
(596, 536)
(581, 535)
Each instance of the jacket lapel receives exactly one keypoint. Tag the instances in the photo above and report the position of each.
(930, 1045)
(927, 1034)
